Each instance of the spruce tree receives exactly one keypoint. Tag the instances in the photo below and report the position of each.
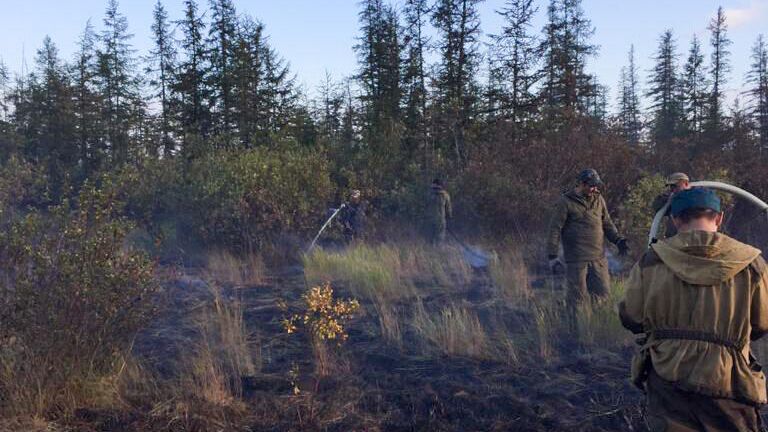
(567, 87)
(695, 89)
(222, 43)
(629, 101)
(189, 85)
(663, 91)
(44, 117)
(378, 51)
(415, 44)
(162, 63)
(719, 69)
(88, 104)
(458, 26)
(757, 79)
(515, 57)
(118, 85)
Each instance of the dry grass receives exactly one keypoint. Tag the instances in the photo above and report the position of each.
(388, 276)
(548, 319)
(510, 277)
(228, 269)
(389, 321)
(443, 266)
(223, 354)
(455, 330)
(599, 324)
(368, 272)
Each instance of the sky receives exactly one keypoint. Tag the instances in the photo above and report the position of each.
(316, 36)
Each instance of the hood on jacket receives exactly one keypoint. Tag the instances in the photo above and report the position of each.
(705, 258)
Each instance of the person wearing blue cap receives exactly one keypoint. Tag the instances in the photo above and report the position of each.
(699, 298)
(582, 222)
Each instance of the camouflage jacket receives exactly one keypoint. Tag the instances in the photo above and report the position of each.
(582, 223)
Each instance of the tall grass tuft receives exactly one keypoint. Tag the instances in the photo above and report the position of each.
(223, 355)
(368, 272)
(510, 277)
(599, 324)
(455, 330)
(228, 269)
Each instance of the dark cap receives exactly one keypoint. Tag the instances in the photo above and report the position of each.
(590, 177)
(696, 198)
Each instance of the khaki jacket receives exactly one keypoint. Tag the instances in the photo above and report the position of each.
(439, 207)
(700, 298)
(582, 223)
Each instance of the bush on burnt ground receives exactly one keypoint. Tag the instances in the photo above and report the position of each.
(234, 200)
(22, 185)
(72, 298)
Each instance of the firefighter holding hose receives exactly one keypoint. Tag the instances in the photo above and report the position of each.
(699, 298)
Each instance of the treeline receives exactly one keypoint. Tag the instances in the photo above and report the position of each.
(507, 119)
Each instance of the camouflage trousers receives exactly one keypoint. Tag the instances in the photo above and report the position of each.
(587, 281)
(673, 410)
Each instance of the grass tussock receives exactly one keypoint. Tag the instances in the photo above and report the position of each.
(224, 353)
(387, 276)
(388, 272)
(510, 277)
(368, 271)
(599, 324)
(548, 320)
(228, 269)
(455, 330)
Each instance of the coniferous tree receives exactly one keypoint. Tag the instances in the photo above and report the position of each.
(757, 79)
(378, 51)
(45, 117)
(279, 94)
(162, 63)
(222, 43)
(118, 86)
(629, 101)
(7, 143)
(329, 112)
(458, 26)
(567, 87)
(695, 89)
(663, 91)
(87, 103)
(415, 43)
(262, 87)
(189, 84)
(515, 53)
(719, 69)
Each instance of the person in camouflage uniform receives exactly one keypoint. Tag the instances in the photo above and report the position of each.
(438, 211)
(699, 298)
(354, 217)
(676, 182)
(582, 222)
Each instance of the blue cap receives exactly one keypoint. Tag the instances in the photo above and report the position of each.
(695, 198)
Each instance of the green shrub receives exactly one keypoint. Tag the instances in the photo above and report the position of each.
(71, 301)
(21, 185)
(637, 209)
(238, 199)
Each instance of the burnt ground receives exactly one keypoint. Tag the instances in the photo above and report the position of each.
(379, 387)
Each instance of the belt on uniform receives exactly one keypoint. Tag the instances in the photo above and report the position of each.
(696, 335)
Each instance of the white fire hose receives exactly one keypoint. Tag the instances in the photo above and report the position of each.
(719, 186)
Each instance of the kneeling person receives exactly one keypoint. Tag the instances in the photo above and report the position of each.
(700, 298)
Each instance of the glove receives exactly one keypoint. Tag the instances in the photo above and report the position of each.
(623, 247)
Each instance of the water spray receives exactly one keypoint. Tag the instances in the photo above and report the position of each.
(719, 186)
(325, 225)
